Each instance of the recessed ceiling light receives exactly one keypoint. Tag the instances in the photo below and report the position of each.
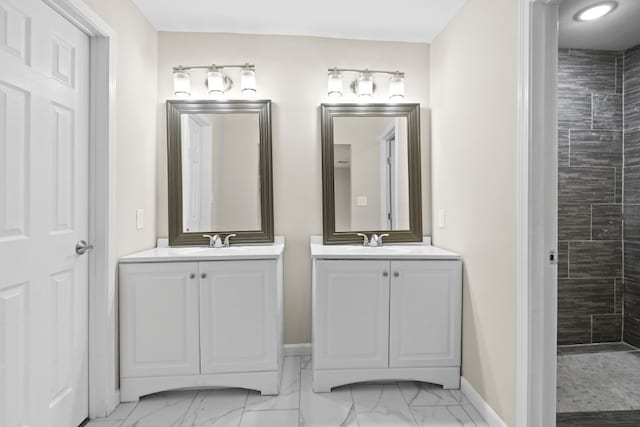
(596, 11)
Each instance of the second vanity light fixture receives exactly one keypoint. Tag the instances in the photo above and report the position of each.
(364, 86)
(217, 80)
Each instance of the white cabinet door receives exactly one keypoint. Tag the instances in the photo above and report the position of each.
(159, 319)
(351, 319)
(425, 318)
(238, 316)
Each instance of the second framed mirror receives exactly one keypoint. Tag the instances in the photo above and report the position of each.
(371, 172)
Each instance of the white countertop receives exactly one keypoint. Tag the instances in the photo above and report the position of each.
(388, 251)
(202, 253)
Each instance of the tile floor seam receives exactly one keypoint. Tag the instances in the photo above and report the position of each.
(469, 415)
(184, 416)
(411, 412)
(353, 405)
(244, 409)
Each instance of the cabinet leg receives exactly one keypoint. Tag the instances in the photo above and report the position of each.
(453, 384)
(270, 391)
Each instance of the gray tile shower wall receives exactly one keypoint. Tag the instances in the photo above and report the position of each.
(590, 195)
(631, 115)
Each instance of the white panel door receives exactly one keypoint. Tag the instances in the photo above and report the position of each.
(351, 322)
(159, 319)
(197, 151)
(44, 107)
(425, 318)
(238, 316)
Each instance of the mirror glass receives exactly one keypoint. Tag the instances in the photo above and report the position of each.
(220, 172)
(371, 176)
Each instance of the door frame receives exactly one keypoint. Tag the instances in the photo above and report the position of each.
(536, 293)
(104, 393)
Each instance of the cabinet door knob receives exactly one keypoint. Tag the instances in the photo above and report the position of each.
(203, 276)
(192, 276)
(385, 274)
(396, 274)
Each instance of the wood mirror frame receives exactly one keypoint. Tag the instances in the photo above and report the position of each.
(175, 108)
(412, 114)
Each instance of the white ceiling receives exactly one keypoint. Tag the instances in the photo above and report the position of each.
(619, 30)
(397, 20)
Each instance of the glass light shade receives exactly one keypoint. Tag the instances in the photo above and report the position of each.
(396, 87)
(181, 83)
(365, 86)
(595, 11)
(248, 81)
(334, 88)
(215, 82)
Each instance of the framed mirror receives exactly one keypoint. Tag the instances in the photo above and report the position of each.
(220, 176)
(371, 172)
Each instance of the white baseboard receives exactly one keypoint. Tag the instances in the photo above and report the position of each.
(481, 405)
(297, 349)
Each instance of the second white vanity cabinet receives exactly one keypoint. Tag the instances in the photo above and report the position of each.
(378, 316)
(200, 318)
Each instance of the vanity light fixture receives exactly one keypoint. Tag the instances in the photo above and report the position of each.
(217, 81)
(595, 11)
(248, 80)
(181, 82)
(396, 87)
(365, 86)
(334, 87)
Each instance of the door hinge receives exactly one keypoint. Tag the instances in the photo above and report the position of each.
(553, 257)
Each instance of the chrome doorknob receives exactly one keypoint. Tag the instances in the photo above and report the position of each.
(82, 246)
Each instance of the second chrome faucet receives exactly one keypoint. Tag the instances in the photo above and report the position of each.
(216, 241)
(374, 241)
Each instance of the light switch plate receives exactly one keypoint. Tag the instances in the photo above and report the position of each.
(362, 201)
(139, 219)
(441, 218)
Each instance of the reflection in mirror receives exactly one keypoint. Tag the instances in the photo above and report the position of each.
(371, 173)
(220, 172)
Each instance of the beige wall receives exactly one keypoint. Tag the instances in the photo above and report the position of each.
(474, 101)
(137, 50)
(292, 72)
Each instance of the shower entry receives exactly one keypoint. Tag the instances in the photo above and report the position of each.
(598, 237)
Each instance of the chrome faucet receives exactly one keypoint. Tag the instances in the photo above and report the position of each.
(226, 240)
(374, 241)
(216, 241)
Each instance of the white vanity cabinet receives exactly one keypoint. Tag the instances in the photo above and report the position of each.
(393, 318)
(200, 319)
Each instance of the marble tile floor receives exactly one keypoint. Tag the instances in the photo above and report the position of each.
(602, 381)
(388, 404)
